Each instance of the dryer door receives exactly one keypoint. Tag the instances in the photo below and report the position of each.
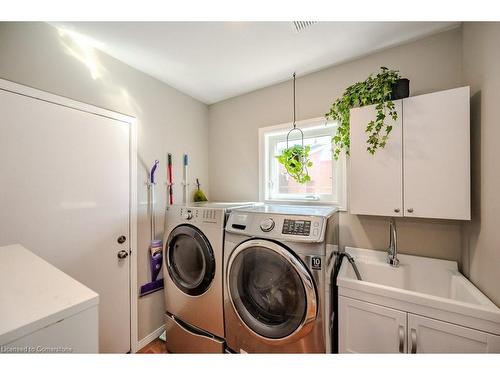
(271, 291)
(190, 259)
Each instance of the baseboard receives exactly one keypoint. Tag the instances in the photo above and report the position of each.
(151, 337)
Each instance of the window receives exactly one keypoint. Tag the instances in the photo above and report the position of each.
(327, 183)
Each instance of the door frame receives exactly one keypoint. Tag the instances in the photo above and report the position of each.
(20, 89)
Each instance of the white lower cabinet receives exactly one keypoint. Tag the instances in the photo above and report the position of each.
(75, 334)
(427, 335)
(369, 328)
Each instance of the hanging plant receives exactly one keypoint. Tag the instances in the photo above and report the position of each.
(376, 89)
(295, 159)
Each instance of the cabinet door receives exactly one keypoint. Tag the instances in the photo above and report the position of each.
(427, 335)
(368, 328)
(436, 155)
(375, 180)
(75, 334)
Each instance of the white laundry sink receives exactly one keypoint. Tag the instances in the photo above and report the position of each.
(424, 285)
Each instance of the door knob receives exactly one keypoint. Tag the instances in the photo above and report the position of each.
(396, 210)
(122, 254)
(410, 210)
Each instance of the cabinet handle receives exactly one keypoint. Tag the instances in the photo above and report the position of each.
(413, 334)
(410, 210)
(396, 210)
(401, 339)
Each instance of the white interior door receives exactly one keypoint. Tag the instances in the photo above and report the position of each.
(64, 194)
(376, 181)
(436, 155)
(427, 335)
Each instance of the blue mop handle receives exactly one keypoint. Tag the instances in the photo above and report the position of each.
(153, 170)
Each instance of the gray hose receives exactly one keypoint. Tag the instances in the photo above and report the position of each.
(351, 260)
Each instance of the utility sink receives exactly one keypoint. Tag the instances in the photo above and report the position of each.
(424, 285)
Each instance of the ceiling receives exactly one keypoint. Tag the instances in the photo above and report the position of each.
(213, 61)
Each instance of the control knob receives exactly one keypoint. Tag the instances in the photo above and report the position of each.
(188, 215)
(267, 225)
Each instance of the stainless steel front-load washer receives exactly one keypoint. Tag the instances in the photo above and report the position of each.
(277, 265)
(192, 269)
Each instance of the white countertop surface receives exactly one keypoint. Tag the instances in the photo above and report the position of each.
(35, 294)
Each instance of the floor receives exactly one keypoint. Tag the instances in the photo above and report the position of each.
(154, 347)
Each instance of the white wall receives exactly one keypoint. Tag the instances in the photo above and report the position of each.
(35, 54)
(481, 69)
(431, 64)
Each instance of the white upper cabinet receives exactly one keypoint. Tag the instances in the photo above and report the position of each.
(376, 180)
(436, 154)
(424, 170)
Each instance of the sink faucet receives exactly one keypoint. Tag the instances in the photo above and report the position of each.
(392, 251)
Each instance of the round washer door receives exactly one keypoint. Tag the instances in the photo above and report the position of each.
(191, 261)
(271, 290)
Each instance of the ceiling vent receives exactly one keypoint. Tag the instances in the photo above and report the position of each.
(299, 26)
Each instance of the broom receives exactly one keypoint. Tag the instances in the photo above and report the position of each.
(199, 196)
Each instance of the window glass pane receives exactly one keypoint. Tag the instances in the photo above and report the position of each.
(321, 172)
(327, 175)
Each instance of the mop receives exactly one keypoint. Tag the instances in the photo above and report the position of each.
(156, 247)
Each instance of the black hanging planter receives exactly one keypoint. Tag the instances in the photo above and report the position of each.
(400, 89)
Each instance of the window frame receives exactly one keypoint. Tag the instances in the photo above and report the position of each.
(310, 125)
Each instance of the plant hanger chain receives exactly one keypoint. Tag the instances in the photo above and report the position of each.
(295, 118)
(295, 159)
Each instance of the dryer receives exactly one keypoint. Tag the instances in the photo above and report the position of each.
(277, 265)
(192, 269)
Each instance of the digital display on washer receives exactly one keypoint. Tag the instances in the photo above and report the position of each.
(296, 227)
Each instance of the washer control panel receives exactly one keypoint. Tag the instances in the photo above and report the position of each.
(198, 215)
(299, 228)
(296, 227)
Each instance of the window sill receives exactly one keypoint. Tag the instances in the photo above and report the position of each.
(306, 203)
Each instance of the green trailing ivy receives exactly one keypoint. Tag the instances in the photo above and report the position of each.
(376, 89)
(295, 159)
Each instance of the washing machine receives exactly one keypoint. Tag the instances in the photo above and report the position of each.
(277, 265)
(193, 276)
